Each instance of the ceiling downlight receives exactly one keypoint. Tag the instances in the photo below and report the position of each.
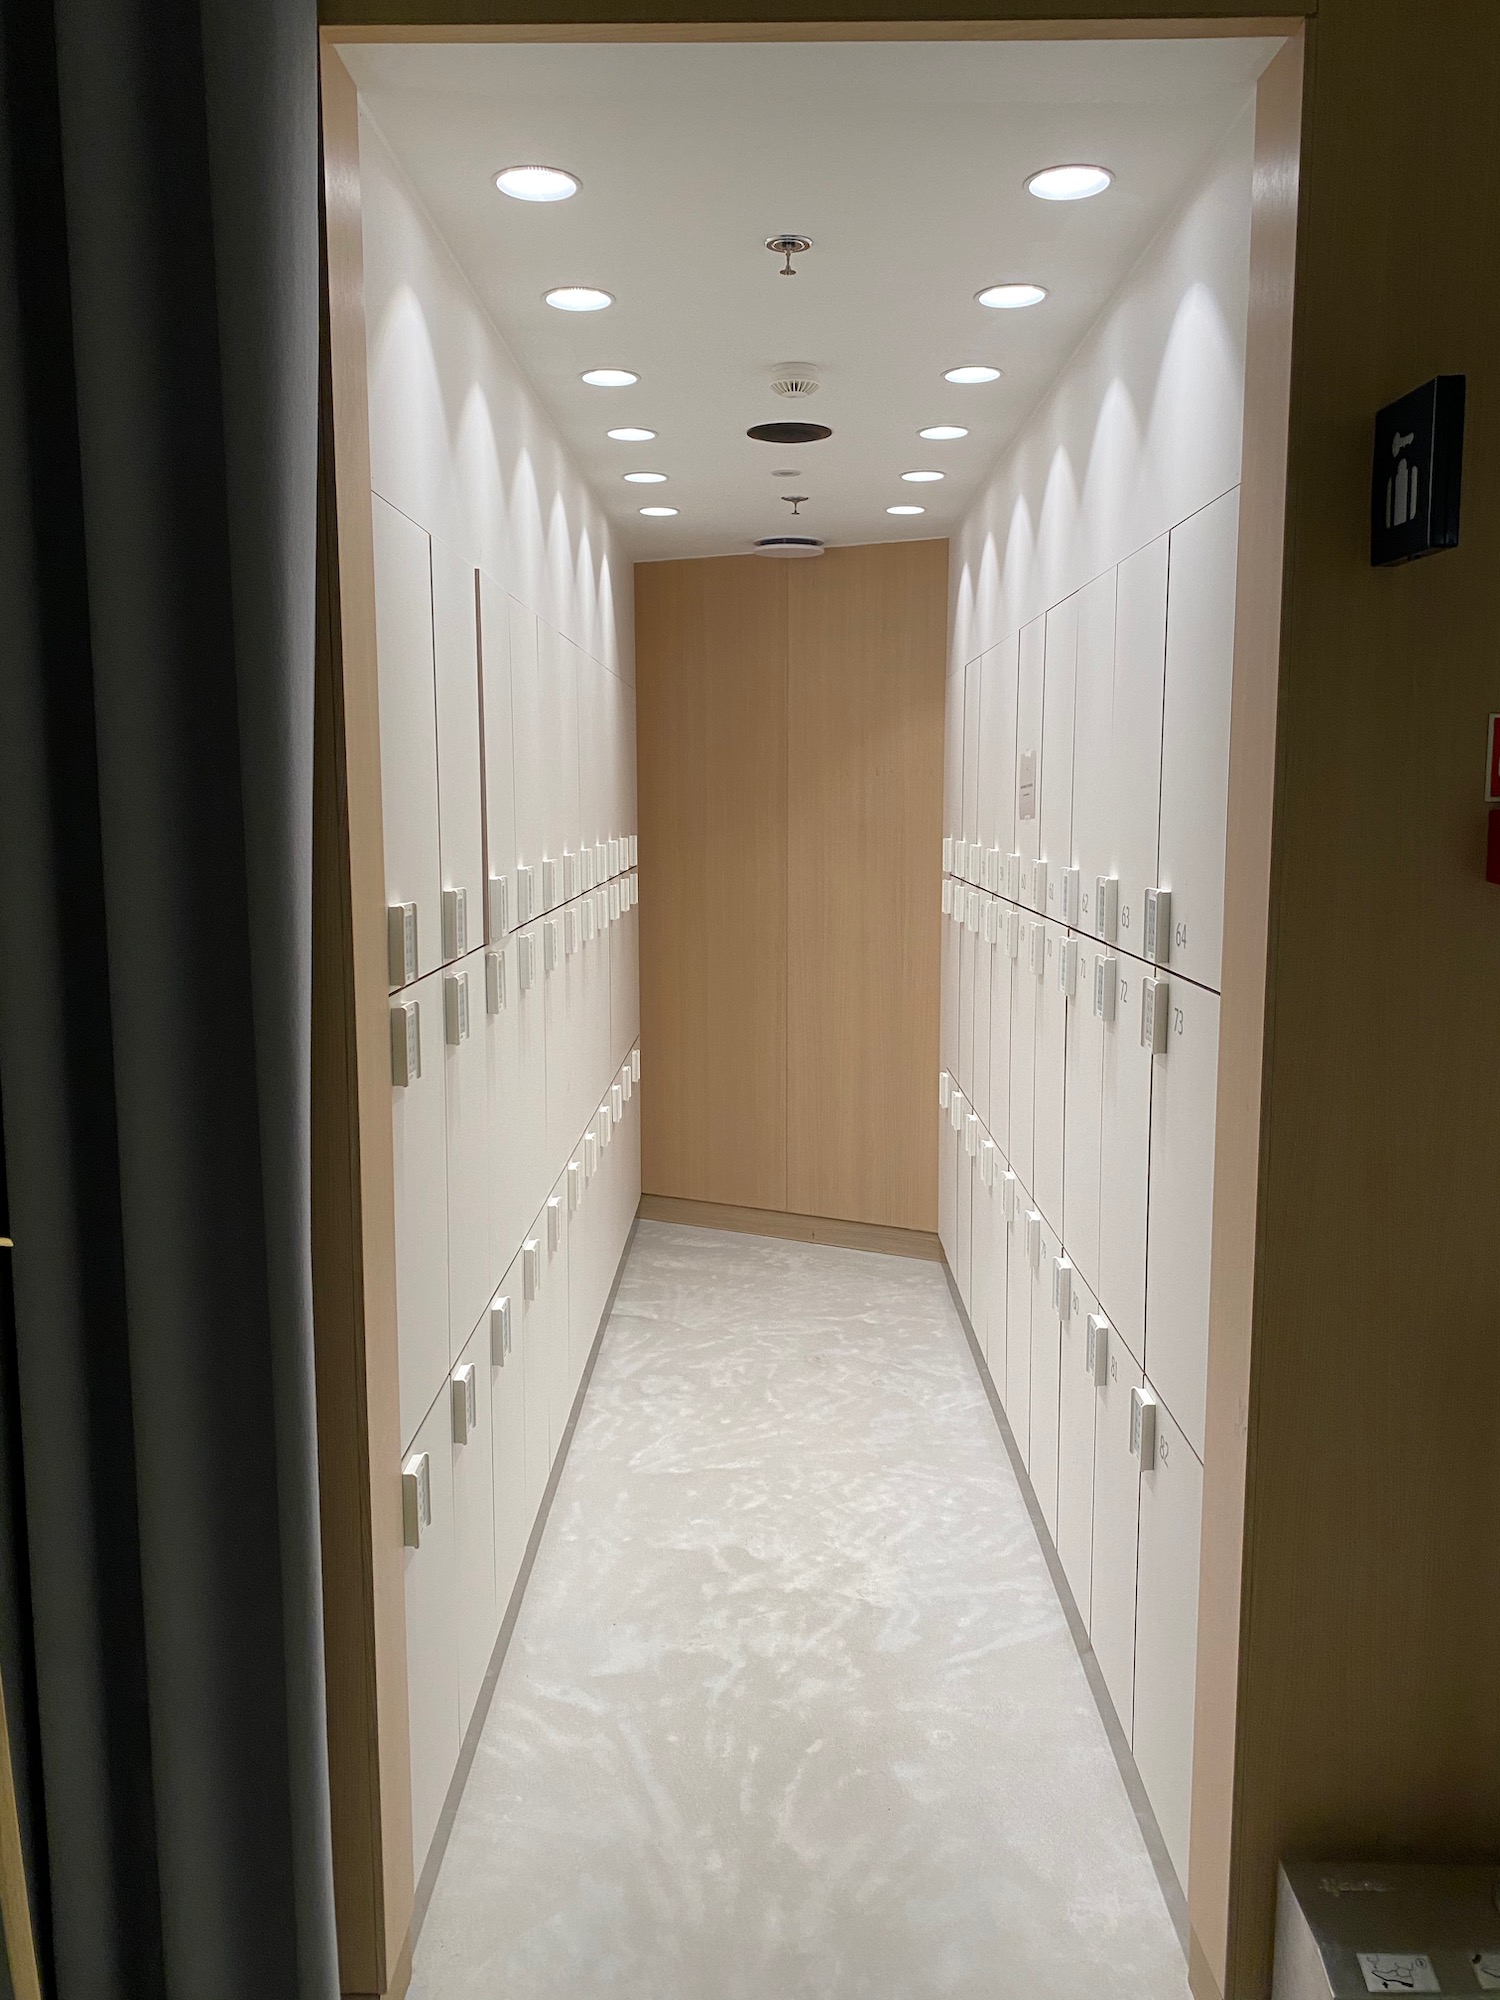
(1078, 182)
(609, 378)
(578, 298)
(534, 183)
(1011, 297)
(970, 373)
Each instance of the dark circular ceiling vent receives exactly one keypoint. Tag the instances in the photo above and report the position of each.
(788, 433)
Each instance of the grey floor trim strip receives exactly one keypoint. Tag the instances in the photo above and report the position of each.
(1140, 1804)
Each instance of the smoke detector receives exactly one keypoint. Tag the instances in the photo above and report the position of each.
(788, 545)
(796, 379)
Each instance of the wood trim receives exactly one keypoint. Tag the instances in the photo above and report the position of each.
(15, 1892)
(1242, 1014)
(777, 1222)
(353, 1176)
(351, 21)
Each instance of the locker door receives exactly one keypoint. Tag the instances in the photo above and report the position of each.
(973, 677)
(508, 1441)
(982, 1240)
(560, 1015)
(984, 953)
(953, 756)
(474, 1522)
(1002, 968)
(1184, 1090)
(558, 678)
(1092, 719)
(968, 941)
(466, 1086)
(497, 1026)
(432, 1639)
(947, 1186)
(499, 759)
(1116, 1523)
(1135, 760)
(1077, 1398)
(418, 1121)
(1020, 1271)
(1166, 1641)
(595, 778)
(529, 763)
(586, 1286)
(963, 1221)
(949, 958)
(997, 746)
(998, 1280)
(536, 1358)
(624, 948)
(597, 998)
(559, 1331)
(1055, 809)
(1047, 1094)
(1026, 978)
(1195, 734)
(455, 652)
(408, 723)
(527, 1138)
(1030, 679)
(1046, 1357)
(1082, 1110)
(630, 1177)
(1124, 1160)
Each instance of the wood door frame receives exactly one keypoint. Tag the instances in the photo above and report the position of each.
(353, 1164)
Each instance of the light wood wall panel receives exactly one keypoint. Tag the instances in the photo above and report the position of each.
(790, 755)
(868, 631)
(711, 720)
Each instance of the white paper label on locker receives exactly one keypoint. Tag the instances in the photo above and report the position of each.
(1106, 986)
(1398, 1972)
(499, 1332)
(1107, 907)
(531, 1267)
(1062, 1287)
(1143, 1428)
(947, 853)
(455, 923)
(1067, 967)
(1026, 786)
(1156, 1008)
(1071, 890)
(416, 1498)
(1158, 944)
(526, 961)
(1096, 1349)
(1039, 887)
(401, 943)
(499, 906)
(554, 1224)
(465, 1403)
(406, 1043)
(456, 1008)
(525, 895)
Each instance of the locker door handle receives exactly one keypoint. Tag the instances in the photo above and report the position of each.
(406, 1043)
(531, 1268)
(494, 982)
(554, 1224)
(455, 923)
(416, 1498)
(462, 1395)
(499, 1332)
(401, 943)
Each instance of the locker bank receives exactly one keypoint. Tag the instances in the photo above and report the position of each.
(775, 1135)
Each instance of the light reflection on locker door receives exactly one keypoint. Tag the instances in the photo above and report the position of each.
(1116, 1529)
(1023, 1006)
(1184, 1092)
(1167, 1632)
(408, 723)
(1047, 1097)
(1092, 724)
(1124, 1153)
(1135, 743)
(530, 767)
(1030, 671)
(455, 647)
(501, 913)
(1055, 806)
(1082, 1119)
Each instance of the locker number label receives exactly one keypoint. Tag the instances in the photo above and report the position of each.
(1398, 1972)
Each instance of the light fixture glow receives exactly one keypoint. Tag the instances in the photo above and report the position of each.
(1071, 183)
(537, 183)
(943, 433)
(659, 513)
(972, 371)
(645, 478)
(609, 378)
(906, 510)
(1008, 297)
(920, 478)
(579, 298)
(628, 433)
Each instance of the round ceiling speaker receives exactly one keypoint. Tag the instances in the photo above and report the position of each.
(795, 379)
(788, 433)
(788, 545)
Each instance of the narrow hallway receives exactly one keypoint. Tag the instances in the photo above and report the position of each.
(791, 1706)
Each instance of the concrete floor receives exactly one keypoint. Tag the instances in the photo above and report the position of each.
(791, 1710)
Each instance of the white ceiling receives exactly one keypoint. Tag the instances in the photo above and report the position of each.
(904, 162)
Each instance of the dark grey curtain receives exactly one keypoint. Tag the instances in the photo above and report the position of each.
(158, 389)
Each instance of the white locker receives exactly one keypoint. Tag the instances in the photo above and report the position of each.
(595, 773)
(997, 748)
(587, 1284)
(498, 1026)
(567, 1067)
(432, 1639)
(1116, 1525)
(455, 653)
(1055, 809)
(1092, 723)
(1030, 680)
(1124, 1160)
(968, 953)
(421, 1175)
(1184, 1090)
(599, 1052)
(472, 1267)
(1025, 983)
(997, 1277)
(953, 756)
(530, 771)
(624, 952)
(498, 739)
(1195, 734)
(408, 725)
(536, 1359)
(947, 1149)
(1166, 1638)
(559, 1370)
(1046, 1339)
(558, 677)
(1082, 1112)
(630, 1181)
(528, 1139)
(982, 1243)
(513, 1518)
(963, 1222)
(1002, 971)
(973, 689)
(1135, 750)
(1016, 1394)
(983, 958)
(472, 1448)
(1047, 1088)
(1078, 1395)
(948, 1002)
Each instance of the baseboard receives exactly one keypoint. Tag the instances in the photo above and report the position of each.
(879, 1237)
(1119, 1742)
(427, 1880)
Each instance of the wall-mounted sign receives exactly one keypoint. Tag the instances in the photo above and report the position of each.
(1414, 487)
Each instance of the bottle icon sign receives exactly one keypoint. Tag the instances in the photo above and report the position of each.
(1401, 487)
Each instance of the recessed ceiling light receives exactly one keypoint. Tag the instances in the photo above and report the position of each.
(1073, 183)
(628, 434)
(579, 298)
(943, 433)
(537, 183)
(1008, 297)
(646, 478)
(906, 510)
(920, 478)
(659, 513)
(609, 378)
(971, 372)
